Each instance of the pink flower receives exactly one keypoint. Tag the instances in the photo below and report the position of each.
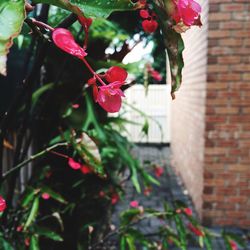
(195, 230)
(45, 196)
(109, 97)
(186, 11)
(134, 204)
(73, 164)
(114, 198)
(116, 74)
(188, 211)
(75, 106)
(66, 42)
(158, 171)
(85, 169)
(233, 245)
(2, 204)
(149, 26)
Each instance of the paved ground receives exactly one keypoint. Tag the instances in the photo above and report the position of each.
(171, 189)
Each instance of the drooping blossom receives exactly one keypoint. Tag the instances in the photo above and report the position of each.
(149, 26)
(66, 42)
(73, 164)
(2, 204)
(188, 211)
(45, 196)
(114, 198)
(195, 230)
(85, 169)
(134, 204)
(158, 171)
(233, 245)
(109, 97)
(186, 11)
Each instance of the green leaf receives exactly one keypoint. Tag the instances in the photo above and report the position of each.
(5, 245)
(123, 243)
(12, 15)
(131, 242)
(34, 243)
(173, 43)
(128, 215)
(33, 213)
(48, 233)
(93, 8)
(28, 196)
(181, 231)
(56, 196)
(38, 93)
(145, 127)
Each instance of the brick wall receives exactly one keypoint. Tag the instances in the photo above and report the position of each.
(188, 112)
(227, 133)
(211, 116)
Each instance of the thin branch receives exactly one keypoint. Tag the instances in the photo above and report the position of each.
(32, 158)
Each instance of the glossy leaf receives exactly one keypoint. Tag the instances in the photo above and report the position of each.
(12, 15)
(34, 243)
(173, 43)
(28, 196)
(93, 8)
(56, 196)
(33, 213)
(47, 233)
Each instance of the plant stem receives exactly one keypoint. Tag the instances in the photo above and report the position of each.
(32, 158)
(93, 72)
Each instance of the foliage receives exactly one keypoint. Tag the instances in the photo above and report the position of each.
(80, 159)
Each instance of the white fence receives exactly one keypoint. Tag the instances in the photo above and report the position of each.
(156, 105)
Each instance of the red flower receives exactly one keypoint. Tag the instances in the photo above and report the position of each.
(109, 97)
(159, 171)
(85, 169)
(144, 14)
(195, 230)
(66, 42)
(2, 204)
(19, 228)
(134, 204)
(102, 194)
(149, 26)
(116, 74)
(73, 164)
(45, 196)
(233, 245)
(27, 242)
(188, 211)
(114, 198)
(156, 75)
(186, 11)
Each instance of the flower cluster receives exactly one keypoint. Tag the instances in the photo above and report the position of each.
(185, 14)
(149, 24)
(2, 204)
(78, 166)
(108, 94)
